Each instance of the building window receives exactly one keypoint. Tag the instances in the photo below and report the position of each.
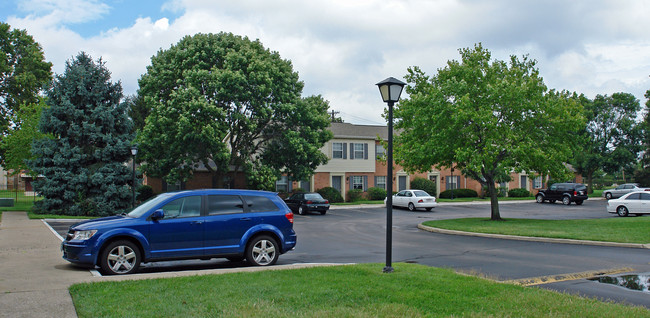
(359, 182)
(380, 152)
(452, 182)
(282, 185)
(358, 151)
(537, 183)
(523, 182)
(337, 150)
(380, 182)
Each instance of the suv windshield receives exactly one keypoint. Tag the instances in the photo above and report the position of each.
(147, 205)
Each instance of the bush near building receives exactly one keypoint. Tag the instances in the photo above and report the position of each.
(375, 193)
(355, 195)
(519, 193)
(459, 193)
(425, 185)
(331, 194)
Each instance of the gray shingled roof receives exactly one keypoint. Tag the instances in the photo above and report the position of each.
(347, 130)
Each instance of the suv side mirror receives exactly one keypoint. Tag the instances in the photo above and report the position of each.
(157, 215)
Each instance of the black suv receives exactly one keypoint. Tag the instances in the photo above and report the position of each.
(567, 192)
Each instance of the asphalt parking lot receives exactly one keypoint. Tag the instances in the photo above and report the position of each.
(357, 235)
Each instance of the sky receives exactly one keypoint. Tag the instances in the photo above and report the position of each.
(342, 48)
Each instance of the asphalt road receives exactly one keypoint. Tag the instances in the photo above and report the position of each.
(358, 235)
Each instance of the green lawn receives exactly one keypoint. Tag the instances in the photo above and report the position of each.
(623, 230)
(341, 291)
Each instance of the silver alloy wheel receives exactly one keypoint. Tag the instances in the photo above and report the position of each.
(263, 252)
(301, 210)
(621, 211)
(608, 195)
(539, 198)
(566, 200)
(121, 259)
(411, 206)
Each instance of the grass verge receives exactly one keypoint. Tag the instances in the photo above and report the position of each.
(622, 230)
(341, 291)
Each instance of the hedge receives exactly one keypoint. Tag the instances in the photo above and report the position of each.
(459, 193)
(355, 195)
(331, 194)
(375, 193)
(425, 185)
(519, 193)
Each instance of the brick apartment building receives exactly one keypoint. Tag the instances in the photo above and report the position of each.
(355, 154)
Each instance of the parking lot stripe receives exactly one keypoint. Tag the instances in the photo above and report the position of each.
(532, 281)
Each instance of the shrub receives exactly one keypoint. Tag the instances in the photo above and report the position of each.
(375, 193)
(331, 194)
(144, 193)
(519, 193)
(459, 193)
(355, 195)
(424, 184)
(501, 192)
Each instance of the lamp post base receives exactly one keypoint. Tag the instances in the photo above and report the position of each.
(388, 269)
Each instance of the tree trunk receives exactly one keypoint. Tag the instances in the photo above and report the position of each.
(494, 202)
(590, 180)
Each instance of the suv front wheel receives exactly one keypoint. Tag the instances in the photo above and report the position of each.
(539, 198)
(566, 200)
(119, 258)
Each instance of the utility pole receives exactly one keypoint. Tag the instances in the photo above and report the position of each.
(334, 113)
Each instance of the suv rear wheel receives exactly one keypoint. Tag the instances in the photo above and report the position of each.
(566, 200)
(262, 251)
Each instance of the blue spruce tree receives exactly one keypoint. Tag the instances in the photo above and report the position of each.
(84, 166)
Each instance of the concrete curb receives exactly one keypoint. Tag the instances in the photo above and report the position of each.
(532, 238)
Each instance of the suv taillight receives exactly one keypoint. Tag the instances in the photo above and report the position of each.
(289, 216)
(575, 192)
(309, 202)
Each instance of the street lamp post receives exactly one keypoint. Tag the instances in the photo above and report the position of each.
(390, 89)
(134, 152)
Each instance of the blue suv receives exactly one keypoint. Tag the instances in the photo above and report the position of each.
(200, 224)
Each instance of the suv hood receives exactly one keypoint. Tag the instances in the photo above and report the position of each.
(96, 224)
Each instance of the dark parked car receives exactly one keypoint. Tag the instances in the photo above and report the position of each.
(201, 224)
(304, 202)
(566, 192)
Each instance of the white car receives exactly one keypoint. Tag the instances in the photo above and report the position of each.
(414, 199)
(637, 202)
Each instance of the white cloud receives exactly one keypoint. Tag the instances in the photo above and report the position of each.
(342, 48)
(65, 11)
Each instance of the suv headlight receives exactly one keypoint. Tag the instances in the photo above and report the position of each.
(83, 235)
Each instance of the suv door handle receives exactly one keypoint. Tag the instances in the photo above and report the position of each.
(245, 219)
(197, 222)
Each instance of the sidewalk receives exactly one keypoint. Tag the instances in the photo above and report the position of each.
(34, 279)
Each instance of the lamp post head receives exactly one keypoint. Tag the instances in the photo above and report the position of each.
(134, 150)
(390, 89)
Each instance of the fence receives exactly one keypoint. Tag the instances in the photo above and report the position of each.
(10, 196)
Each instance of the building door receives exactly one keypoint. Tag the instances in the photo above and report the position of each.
(401, 183)
(336, 183)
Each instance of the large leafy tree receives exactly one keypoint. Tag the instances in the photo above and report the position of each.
(23, 74)
(227, 104)
(612, 138)
(83, 164)
(486, 118)
(17, 144)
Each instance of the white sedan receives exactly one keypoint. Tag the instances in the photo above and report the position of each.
(414, 199)
(637, 202)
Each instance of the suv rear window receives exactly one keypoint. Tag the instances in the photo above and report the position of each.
(224, 204)
(581, 187)
(260, 204)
